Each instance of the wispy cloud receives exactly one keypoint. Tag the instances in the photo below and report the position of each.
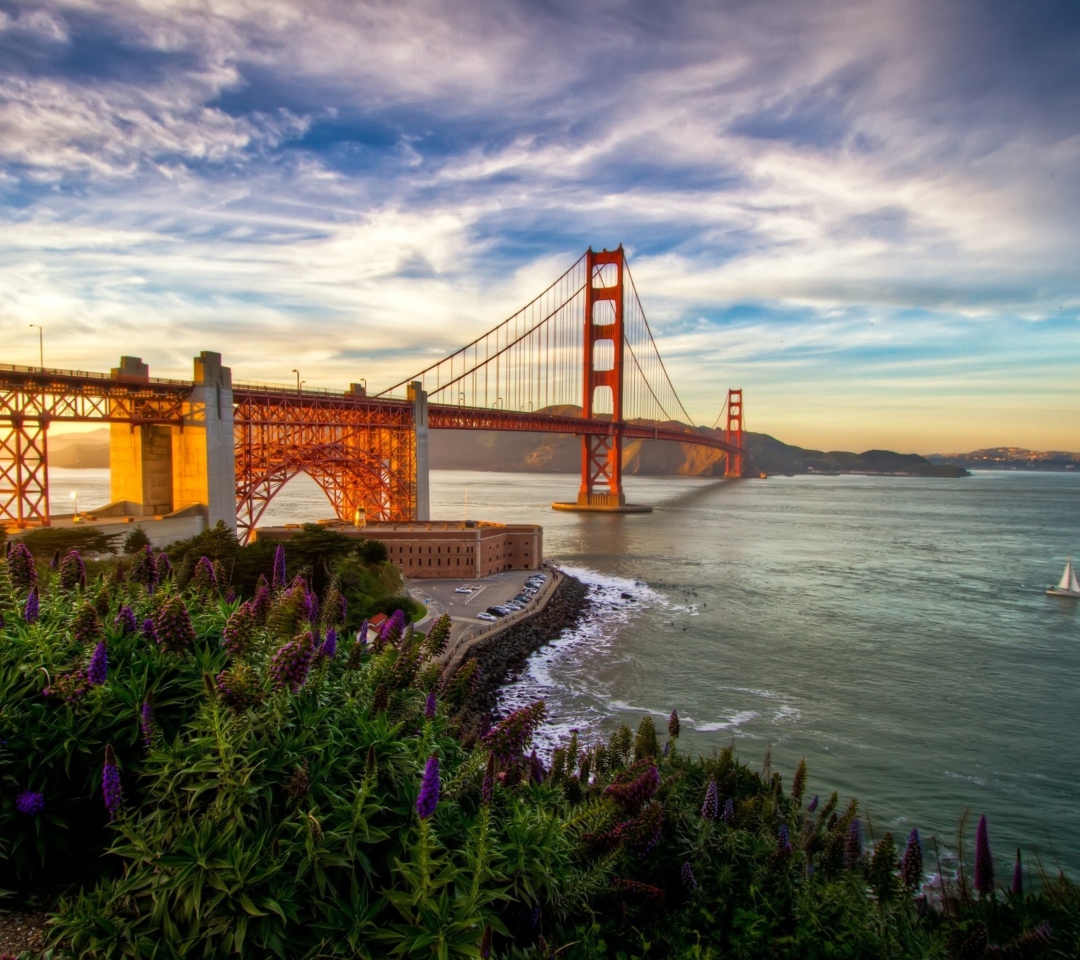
(840, 207)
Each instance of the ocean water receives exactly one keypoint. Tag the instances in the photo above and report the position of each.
(892, 631)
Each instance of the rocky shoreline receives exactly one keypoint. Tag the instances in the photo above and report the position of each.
(500, 656)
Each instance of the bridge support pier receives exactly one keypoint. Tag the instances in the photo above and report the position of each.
(156, 469)
(418, 399)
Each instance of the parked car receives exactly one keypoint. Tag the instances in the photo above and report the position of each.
(497, 611)
(521, 598)
(463, 590)
(486, 616)
(514, 605)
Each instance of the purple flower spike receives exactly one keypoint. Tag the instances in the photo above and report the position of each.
(984, 860)
(279, 567)
(708, 808)
(783, 842)
(32, 610)
(146, 721)
(290, 664)
(72, 571)
(911, 864)
(21, 567)
(728, 815)
(430, 706)
(329, 647)
(230, 597)
(673, 725)
(536, 769)
(30, 803)
(428, 798)
(110, 784)
(149, 631)
(1018, 876)
(689, 881)
(667, 749)
(813, 804)
(98, 670)
(125, 621)
(853, 851)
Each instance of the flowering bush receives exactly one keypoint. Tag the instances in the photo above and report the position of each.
(192, 809)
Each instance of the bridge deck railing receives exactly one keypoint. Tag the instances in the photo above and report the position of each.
(89, 375)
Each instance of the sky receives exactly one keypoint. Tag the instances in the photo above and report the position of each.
(864, 214)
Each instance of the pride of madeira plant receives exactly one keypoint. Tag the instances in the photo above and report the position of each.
(217, 778)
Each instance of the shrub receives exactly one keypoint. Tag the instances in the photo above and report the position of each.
(136, 540)
(44, 542)
(372, 551)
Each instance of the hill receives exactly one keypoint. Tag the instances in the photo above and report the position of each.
(558, 453)
(1011, 458)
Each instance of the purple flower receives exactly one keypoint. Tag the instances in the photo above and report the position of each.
(1018, 876)
(260, 603)
(911, 864)
(673, 725)
(72, 571)
(144, 568)
(689, 881)
(230, 597)
(239, 632)
(536, 768)
(512, 735)
(428, 798)
(32, 610)
(329, 647)
(125, 621)
(429, 706)
(853, 851)
(708, 808)
(728, 815)
(311, 608)
(984, 860)
(204, 580)
(783, 842)
(633, 795)
(279, 567)
(99, 665)
(162, 567)
(813, 804)
(110, 784)
(149, 631)
(173, 626)
(30, 802)
(667, 749)
(21, 567)
(146, 720)
(290, 664)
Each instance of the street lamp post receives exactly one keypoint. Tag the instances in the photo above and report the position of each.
(75, 497)
(41, 346)
(297, 372)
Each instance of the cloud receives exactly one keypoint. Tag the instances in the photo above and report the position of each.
(359, 186)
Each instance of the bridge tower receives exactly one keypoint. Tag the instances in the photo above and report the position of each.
(734, 466)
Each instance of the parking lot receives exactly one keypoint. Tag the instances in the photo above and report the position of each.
(440, 596)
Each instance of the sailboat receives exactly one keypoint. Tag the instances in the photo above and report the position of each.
(1068, 587)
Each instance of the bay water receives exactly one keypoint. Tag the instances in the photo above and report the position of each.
(893, 631)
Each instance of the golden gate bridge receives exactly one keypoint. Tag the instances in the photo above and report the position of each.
(578, 359)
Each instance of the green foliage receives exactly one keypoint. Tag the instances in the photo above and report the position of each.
(372, 551)
(45, 541)
(278, 819)
(403, 602)
(136, 540)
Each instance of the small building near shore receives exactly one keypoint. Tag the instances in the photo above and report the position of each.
(444, 549)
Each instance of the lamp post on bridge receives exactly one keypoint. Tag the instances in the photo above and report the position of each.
(297, 372)
(41, 345)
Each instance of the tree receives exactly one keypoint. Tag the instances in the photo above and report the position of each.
(372, 551)
(136, 540)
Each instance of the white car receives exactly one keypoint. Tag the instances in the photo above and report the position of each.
(463, 590)
(486, 616)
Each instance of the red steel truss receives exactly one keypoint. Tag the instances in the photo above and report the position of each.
(31, 398)
(362, 452)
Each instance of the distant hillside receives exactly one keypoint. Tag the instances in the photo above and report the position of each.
(557, 453)
(80, 450)
(1011, 458)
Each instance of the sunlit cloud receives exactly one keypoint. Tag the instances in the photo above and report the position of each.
(861, 214)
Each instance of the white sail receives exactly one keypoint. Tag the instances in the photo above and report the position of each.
(1066, 577)
(1073, 585)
